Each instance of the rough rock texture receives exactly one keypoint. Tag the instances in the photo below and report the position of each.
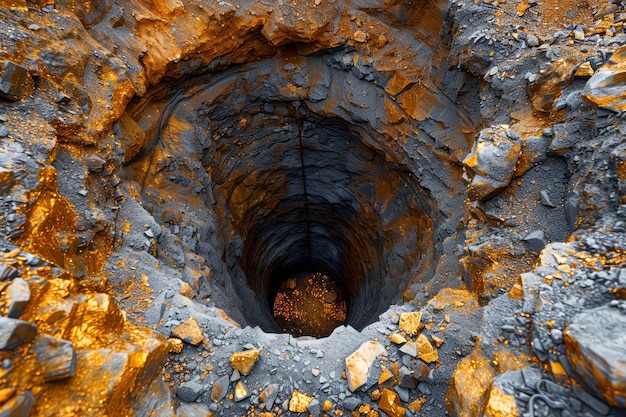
(167, 163)
(597, 352)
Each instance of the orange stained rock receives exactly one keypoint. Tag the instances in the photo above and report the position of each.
(417, 404)
(390, 404)
(468, 386)
(500, 404)
(358, 363)
(385, 375)
(299, 402)
(244, 361)
(189, 331)
(410, 322)
(327, 405)
(425, 350)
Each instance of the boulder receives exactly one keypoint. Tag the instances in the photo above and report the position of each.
(492, 161)
(594, 342)
(607, 88)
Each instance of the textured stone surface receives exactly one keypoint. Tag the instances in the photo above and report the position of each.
(606, 87)
(492, 161)
(189, 331)
(244, 361)
(595, 342)
(55, 357)
(14, 333)
(358, 364)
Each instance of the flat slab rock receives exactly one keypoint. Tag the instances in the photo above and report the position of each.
(594, 342)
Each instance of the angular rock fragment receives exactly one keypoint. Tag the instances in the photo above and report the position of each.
(299, 402)
(56, 357)
(7, 181)
(190, 391)
(269, 395)
(358, 364)
(220, 388)
(410, 322)
(545, 199)
(492, 161)
(15, 81)
(500, 400)
(244, 361)
(189, 331)
(314, 408)
(18, 296)
(19, 406)
(410, 348)
(597, 351)
(606, 87)
(241, 391)
(192, 410)
(390, 403)
(536, 240)
(426, 351)
(14, 333)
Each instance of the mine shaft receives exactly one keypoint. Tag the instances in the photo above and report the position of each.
(321, 208)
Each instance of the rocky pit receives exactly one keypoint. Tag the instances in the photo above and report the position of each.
(454, 169)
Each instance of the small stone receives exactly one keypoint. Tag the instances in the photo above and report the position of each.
(390, 404)
(536, 240)
(397, 338)
(545, 199)
(410, 348)
(420, 370)
(56, 357)
(425, 350)
(83, 192)
(315, 372)
(18, 406)
(15, 81)
(14, 333)
(579, 33)
(244, 361)
(328, 405)
(189, 331)
(358, 363)
(269, 395)
(18, 295)
(405, 378)
(235, 376)
(299, 402)
(438, 341)
(175, 345)
(241, 391)
(532, 40)
(584, 70)
(314, 408)
(385, 375)
(190, 391)
(220, 389)
(410, 322)
(4, 131)
(186, 290)
(360, 36)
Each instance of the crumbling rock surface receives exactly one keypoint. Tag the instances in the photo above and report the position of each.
(457, 168)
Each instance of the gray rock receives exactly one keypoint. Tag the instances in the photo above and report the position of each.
(14, 333)
(192, 410)
(536, 240)
(14, 81)
(220, 389)
(406, 379)
(190, 391)
(314, 408)
(56, 357)
(18, 295)
(269, 395)
(351, 403)
(545, 199)
(594, 342)
(492, 161)
(18, 406)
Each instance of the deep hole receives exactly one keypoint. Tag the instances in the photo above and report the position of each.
(296, 191)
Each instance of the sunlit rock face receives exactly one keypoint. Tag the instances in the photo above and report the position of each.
(167, 167)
